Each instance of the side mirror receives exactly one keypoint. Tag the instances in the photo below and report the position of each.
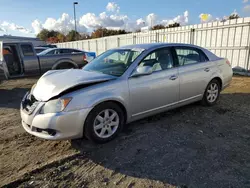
(142, 71)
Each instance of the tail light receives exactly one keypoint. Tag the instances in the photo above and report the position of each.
(229, 64)
(84, 57)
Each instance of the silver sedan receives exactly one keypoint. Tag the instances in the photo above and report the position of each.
(120, 86)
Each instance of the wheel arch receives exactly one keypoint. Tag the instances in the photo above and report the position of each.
(219, 80)
(117, 102)
(62, 61)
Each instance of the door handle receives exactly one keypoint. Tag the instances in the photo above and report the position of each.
(207, 69)
(174, 77)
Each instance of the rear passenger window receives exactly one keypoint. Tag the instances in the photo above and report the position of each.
(188, 56)
(27, 50)
(65, 51)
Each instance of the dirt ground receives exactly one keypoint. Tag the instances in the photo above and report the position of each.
(192, 146)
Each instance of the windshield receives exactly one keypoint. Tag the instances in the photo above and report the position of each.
(114, 62)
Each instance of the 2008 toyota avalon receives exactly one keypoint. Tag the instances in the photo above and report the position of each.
(120, 86)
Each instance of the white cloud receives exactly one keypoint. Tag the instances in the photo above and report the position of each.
(112, 7)
(110, 19)
(140, 22)
(90, 20)
(63, 24)
(13, 27)
(181, 19)
(37, 26)
(245, 1)
(246, 8)
(151, 19)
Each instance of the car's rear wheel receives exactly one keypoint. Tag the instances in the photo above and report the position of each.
(104, 122)
(212, 93)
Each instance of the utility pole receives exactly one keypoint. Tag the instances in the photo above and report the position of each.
(74, 4)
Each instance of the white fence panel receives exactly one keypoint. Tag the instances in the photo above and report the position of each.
(229, 39)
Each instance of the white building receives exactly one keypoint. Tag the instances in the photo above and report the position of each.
(34, 41)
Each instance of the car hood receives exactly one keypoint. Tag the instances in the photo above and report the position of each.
(53, 83)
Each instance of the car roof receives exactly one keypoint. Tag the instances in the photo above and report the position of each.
(152, 46)
(67, 48)
(149, 46)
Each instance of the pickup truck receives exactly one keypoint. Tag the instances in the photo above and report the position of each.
(19, 59)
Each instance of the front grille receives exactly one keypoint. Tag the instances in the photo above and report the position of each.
(30, 103)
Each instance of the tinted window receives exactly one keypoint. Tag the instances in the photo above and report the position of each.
(66, 51)
(52, 52)
(27, 50)
(159, 60)
(188, 56)
(39, 50)
(76, 51)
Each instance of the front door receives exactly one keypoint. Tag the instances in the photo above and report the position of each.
(158, 90)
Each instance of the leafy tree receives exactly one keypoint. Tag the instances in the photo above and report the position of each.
(84, 36)
(156, 27)
(233, 16)
(103, 32)
(53, 33)
(43, 35)
(61, 37)
(72, 36)
(174, 25)
(52, 40)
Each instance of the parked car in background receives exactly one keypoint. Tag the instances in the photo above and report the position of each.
(120, 86)
(19, 59)
(40, 49)
(57, 51)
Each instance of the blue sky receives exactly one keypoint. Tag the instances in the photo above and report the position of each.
(16, 16)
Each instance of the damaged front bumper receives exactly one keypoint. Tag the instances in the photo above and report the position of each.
(52, 126)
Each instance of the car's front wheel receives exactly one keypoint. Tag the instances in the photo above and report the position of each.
(212, 93)
(104, 122)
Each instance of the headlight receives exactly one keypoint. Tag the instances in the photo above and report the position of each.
(54, 106)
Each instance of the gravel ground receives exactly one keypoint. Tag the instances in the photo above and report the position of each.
(192, 146)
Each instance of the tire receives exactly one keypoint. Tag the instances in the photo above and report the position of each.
(98, 128)
(212, 93)
(65, 66)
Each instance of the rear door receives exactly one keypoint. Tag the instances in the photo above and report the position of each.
(29, 59)
(194, 72)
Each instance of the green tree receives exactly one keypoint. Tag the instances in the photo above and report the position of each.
(233, 16)
(156, 27)
(103, 32)
(53, 33)
(43, 35)
(61, 37)
(174, 25)
(72, 36)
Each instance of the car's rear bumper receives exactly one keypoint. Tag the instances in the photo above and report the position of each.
(54, 126)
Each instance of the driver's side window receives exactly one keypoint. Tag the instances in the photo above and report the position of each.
(160, 59)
